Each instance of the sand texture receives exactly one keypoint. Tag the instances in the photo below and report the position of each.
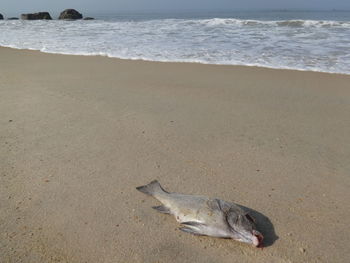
(78, 134)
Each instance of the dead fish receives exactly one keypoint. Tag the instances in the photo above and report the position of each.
(201, 215)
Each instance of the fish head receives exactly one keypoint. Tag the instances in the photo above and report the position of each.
(243, 229)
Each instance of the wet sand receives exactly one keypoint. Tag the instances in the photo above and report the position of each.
(78, 134)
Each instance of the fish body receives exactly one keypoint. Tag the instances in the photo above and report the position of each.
(201, 215)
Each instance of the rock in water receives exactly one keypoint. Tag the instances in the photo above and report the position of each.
(88, 18)
(12, 18)
(1, 17)
(70, 14)
(36, 16)
(200, 215)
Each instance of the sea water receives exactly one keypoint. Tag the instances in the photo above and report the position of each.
(301, 40)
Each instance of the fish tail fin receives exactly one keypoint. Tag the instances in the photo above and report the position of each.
(152, 188)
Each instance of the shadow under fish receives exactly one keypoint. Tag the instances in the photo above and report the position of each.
(201, 215)
(264, 224)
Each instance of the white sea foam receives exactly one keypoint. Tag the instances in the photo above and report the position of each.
(290, 23)
(295, 44)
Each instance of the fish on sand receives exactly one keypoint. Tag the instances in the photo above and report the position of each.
(201, 215)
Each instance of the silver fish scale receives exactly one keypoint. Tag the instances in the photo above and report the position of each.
(201, 215)
(187, 208)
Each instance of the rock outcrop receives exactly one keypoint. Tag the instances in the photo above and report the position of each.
(70, 14)
(36, 16)
(88, 18)
(12, 18)
(1, 17)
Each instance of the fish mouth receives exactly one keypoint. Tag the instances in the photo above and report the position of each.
(258, 239)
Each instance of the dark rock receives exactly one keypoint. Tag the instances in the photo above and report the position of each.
(70, 14)
(36, 16)
(1, 17)
(88, 18)
(12, 18)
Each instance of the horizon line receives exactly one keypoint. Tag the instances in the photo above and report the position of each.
(167, 11)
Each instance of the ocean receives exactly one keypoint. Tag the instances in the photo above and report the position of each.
(300, 40)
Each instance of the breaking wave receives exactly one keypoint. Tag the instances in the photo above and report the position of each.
(277, 23)
(316, 45)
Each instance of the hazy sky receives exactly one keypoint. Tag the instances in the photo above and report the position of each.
(91, 6)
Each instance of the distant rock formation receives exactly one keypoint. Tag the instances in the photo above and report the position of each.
(12, 18)
(70, 14)
(88, 18)
(36, 16)
(1, 17)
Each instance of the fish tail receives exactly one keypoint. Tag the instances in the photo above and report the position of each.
(152, 188)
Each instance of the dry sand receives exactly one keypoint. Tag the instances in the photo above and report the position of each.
(78, 134)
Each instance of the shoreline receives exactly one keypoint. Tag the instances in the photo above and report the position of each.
(79, 133)
(180, 62)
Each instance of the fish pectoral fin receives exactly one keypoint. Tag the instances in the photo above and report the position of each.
(192, 223)
(162, 209)
(191, 231)
(193, 228)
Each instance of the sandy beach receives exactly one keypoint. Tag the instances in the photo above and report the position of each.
(78, 134)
